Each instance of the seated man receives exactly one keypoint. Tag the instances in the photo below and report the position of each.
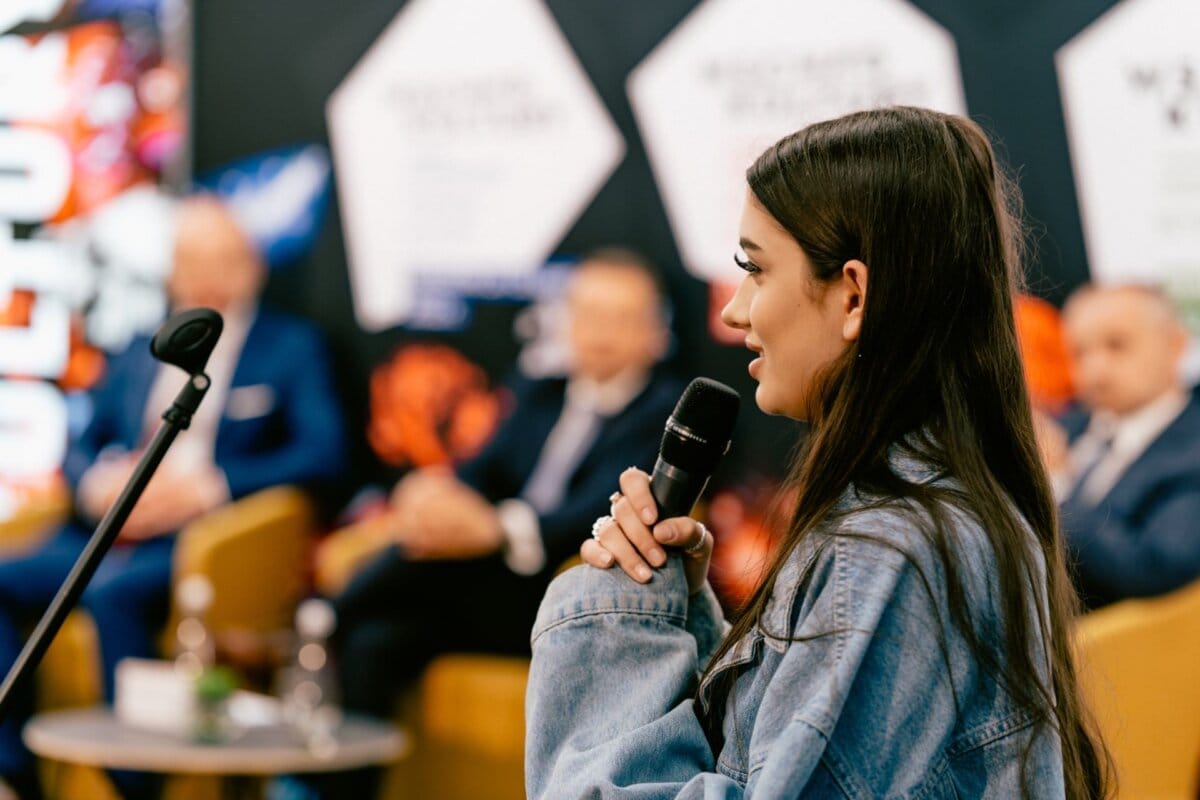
(1127, 470)
(475, 551)
(270, 417)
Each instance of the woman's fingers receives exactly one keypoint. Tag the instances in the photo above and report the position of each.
(593, 553)
(637, 533)
(613, 539)
(685, 533)
(635, 485)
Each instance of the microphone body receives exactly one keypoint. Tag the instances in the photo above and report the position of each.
(696, 436)
(675, 490)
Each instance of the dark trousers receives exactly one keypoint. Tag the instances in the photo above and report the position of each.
(127, 598)
(397, 615)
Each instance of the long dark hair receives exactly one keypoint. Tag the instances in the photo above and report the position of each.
(920, 198)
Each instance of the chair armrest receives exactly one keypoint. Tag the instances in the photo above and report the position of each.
(345, 551)
(33, 520)
(254, 552)
(1137, 672)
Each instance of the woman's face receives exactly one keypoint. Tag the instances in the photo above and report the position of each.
(794, 323)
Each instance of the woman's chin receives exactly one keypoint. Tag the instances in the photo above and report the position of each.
(765, 402)
(768, 403)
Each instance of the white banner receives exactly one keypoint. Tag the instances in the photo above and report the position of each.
(737, 75)
(467, 140)
(33, 429)
(1130, 84)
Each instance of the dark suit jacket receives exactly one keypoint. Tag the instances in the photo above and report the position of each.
(628, 439)
(1143, 538)
(282, 422)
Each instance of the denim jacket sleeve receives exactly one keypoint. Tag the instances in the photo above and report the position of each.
(610, 710)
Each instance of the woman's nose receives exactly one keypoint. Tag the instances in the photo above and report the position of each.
(734, 314)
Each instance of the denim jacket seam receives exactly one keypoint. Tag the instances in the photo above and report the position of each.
(739, 775)
(606, 610)
(989, 732)
(751, 652)
(839, 600)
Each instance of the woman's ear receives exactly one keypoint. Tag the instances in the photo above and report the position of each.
(854, 298)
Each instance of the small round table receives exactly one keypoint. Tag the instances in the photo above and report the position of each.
(95, 737)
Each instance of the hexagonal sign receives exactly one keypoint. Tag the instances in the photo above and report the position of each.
(736, 75)
(1130, 85)
(466, 142)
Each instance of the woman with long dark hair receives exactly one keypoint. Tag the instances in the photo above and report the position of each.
(911, 635)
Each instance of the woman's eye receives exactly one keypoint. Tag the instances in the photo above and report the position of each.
(745, 264)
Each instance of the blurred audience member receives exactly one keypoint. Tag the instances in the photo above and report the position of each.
(1127, 468)
(475, 550)
(270, 417)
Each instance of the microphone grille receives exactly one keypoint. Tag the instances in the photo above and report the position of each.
(707, 409)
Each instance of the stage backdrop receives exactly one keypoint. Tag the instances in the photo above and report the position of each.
(539, 74)
(474, 141)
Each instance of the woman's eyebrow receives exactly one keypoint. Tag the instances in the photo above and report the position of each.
(748, 244)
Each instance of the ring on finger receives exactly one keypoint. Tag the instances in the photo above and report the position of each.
(699, 545)
(599, 524)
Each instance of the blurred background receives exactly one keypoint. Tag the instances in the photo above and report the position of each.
(424, 174)
(468, 157)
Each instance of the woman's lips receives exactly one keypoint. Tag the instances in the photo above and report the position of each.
(754, 367)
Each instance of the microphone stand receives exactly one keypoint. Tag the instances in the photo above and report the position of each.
(175, 419)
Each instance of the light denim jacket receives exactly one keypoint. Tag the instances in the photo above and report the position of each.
(889, 703)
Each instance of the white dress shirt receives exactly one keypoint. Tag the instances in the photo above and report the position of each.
(1126, 438)
(587, 404)
(192, 452)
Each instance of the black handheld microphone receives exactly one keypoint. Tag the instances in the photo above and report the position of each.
(697, 435)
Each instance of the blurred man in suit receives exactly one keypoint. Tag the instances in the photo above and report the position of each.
(270, 417)
(1127, 468)
(474, 551)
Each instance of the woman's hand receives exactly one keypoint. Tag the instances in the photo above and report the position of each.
(636, 537)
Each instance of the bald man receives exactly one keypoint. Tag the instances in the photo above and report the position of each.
(1127, 469)
(270, 417)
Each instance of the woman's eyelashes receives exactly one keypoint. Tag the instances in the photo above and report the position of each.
(746, 264)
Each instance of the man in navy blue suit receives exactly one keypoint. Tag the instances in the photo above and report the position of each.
(270, 417)
(1127, 469)
(474, 551)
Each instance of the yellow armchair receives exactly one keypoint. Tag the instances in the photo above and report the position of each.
(1140, 671)
(468, 712)
(255, 553)
(30, 524)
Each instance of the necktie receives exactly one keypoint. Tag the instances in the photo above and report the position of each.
(1099, 452)
(566, 446)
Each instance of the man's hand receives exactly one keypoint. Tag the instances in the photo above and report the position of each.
(436, 516)
(1051, 441)
(170, 501)
(100, 485)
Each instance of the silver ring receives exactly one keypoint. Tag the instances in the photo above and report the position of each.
(598, 524)
(699, 545)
